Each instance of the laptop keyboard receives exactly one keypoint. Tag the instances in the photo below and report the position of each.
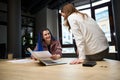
(49, 61)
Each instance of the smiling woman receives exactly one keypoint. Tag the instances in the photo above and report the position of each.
(46, 41)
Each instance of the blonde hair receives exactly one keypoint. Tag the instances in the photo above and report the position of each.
(68, 9)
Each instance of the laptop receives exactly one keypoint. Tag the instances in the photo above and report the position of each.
(44, 58)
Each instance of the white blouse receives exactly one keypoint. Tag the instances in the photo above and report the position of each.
(89, 38)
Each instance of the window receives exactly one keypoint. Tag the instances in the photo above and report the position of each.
(102, 18)
(67, 40)
(27, 35)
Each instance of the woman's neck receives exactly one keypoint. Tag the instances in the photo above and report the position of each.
(48, 42)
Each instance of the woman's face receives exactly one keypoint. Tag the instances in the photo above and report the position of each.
(46, 36)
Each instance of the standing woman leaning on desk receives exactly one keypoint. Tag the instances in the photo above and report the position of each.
(90, 39)
(48, 42)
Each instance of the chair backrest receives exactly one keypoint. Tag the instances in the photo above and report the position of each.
(40, 47)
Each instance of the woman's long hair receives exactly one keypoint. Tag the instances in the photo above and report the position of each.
(40, 39)
(68, 9)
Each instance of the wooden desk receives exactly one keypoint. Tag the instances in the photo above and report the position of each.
(104, 70)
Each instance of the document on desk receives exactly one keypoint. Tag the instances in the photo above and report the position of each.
(20, 61)
(44, 57)
(40, 54)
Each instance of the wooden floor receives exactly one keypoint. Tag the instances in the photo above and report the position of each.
(27, 69)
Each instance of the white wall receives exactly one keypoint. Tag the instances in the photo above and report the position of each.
(52, 22)
(47, 18)
(41, 20)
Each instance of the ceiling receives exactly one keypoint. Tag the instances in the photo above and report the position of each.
(33, 6)
(36, 5)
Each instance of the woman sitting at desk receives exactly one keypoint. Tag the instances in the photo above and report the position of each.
(46, 41)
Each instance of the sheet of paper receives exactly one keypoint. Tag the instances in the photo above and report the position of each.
(20, 61)
(41, 54)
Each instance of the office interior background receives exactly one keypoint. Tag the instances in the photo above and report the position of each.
(21, 20)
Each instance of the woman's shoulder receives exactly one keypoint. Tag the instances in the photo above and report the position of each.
(74, 16)
(55, 41)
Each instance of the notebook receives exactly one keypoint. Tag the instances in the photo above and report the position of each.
(44, 58)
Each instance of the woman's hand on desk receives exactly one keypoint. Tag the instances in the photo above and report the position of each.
(77, 61)
(55, 56)
(32, 57)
